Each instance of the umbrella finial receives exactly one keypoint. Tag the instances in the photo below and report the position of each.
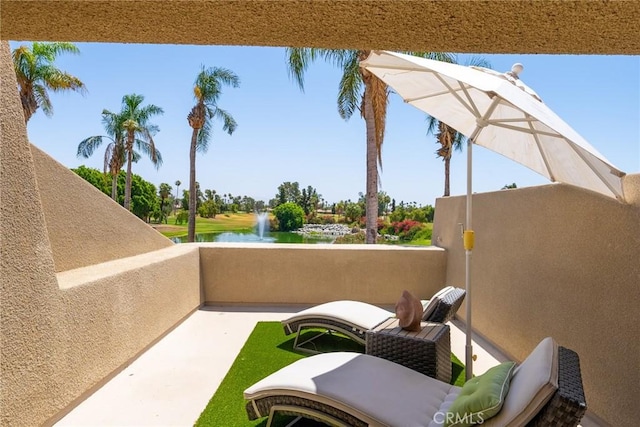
(516, 69)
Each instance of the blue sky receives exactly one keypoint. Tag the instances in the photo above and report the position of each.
(286, 135)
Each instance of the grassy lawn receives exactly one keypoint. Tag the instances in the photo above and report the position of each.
(267, 349)
(219, 224)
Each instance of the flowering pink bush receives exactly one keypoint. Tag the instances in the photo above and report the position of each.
(406, 229)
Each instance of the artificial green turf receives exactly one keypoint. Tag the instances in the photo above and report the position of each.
(268, 349)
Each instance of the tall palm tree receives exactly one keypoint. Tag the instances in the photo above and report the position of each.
(178, 184)
(449, 138)
(207, 90)
(37, 74)
(138, 131)
(358, 90)
(164, 191)
(114, 156)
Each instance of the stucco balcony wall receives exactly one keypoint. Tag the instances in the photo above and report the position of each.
(106, 230)
(312, 274)
(107, 315)
(114, 311)
(556, 261)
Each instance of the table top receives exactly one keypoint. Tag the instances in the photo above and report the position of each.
(429, 331)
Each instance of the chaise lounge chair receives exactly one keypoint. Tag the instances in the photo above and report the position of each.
(351, 389)
(355, 318)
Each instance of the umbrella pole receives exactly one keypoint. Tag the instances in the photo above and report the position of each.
(468, 236)
(468, 246)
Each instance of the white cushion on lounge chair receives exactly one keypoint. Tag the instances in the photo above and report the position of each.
(533, 384)
(365, 316)
(385, 392)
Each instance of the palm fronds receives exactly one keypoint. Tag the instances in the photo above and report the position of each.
(36, 74)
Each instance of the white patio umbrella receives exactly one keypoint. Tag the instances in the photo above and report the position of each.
(502, 114)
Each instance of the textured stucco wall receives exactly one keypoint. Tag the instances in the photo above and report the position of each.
(30, 305)
(113, 311)
(631, 188)
(311, 274)
(106, 231)
(556, 261)
(515, 26)
(62, 335)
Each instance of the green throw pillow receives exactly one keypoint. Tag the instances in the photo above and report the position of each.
(481, 397)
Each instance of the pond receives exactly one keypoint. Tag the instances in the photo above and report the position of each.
(249, 237)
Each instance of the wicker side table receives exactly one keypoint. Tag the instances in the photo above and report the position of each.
(427, 351)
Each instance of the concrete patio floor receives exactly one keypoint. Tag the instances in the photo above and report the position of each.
(171, 383)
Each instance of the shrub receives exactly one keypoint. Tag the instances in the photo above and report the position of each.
(352, 212)
(380, 223)
(327, 219)
(273, 223)
(350, 239)
(182, 216)
(398, 215)
(424, 233)
(312, 218)
(407, 229)
(208, 209)
(290, 216)
(419, 215)
(410, 234)
(158, 216)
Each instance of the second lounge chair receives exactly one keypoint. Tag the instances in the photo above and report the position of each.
(355, 318)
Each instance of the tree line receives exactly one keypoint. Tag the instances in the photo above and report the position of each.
(153, 204)
(209, 203)
(145, 201)
(291, 206)
(129, 132)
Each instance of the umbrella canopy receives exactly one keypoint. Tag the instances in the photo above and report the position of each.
(501, 113)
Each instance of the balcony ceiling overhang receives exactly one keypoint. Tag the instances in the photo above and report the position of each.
(559, 27)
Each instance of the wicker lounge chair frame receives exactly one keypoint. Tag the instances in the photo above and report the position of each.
(303, 413)
(565, 409)
(447, 306)
(329, 325)
(444, 311)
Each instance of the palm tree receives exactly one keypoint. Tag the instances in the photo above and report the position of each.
(36, 74)
(178, 184)
(139, 131)
(198, 196)
(449, 138)
(164, 191)
(358, 90)
(207, 90)
(114, 156)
